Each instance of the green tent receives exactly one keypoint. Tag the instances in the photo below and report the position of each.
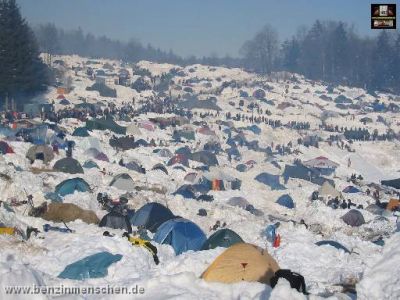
(104, 124)
(68, 165)
(222, 238)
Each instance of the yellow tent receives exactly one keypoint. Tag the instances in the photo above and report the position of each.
(242, 262)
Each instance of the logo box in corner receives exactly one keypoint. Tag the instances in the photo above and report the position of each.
(383, 16)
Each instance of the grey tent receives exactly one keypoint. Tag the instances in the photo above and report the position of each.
(206, 157)
(374, 209)
(68, 165)
(123, 143)
(328, 190)
(123, 182)
(42, 152)
(116, 220)
(353, 218)
(134, 166)
(160, 167)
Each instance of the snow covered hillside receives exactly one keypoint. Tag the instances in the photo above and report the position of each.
(215, 146)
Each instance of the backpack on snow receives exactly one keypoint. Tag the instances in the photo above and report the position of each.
(295, 279)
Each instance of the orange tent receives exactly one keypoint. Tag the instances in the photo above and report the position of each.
(393, 204)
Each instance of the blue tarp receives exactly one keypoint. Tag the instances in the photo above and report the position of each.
(333, 244)
(286, 200)
(93, 266)
(151, 216)
(271, 180)
(183, 235)
(351, 189)
(69, 186)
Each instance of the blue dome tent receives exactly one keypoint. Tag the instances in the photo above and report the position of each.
(151, 216)
(286, 201)
(69, 186)
(183, 235)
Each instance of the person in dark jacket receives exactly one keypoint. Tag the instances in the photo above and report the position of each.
(343, 205)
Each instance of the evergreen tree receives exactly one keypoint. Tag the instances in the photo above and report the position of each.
(22, 72)
(291, 55)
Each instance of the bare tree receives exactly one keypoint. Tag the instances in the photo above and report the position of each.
(260, 53)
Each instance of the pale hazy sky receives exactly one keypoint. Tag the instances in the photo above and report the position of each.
(198, 27)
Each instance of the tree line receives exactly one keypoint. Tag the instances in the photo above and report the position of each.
(22, 72)
(329, 51)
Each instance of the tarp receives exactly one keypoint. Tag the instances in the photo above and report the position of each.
(183, 235)
(104, 124)
(395, 183)
(151, 216)
(302, 172)
(351, 189)
(222, 238)
(333, 244)
(68, 165)
(270, 180)
(93, 266)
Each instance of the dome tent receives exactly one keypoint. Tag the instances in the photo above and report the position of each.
(151, 216)
(123, 182)
(116, 220)
(69, 186)
(5, 148)
(353, 218)
(160, 167)
(183, 235)
(286, 201)
(242, 262)
(222, 238)
(81, 131)
(42, 152)
(68, 165)
(90, 164)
